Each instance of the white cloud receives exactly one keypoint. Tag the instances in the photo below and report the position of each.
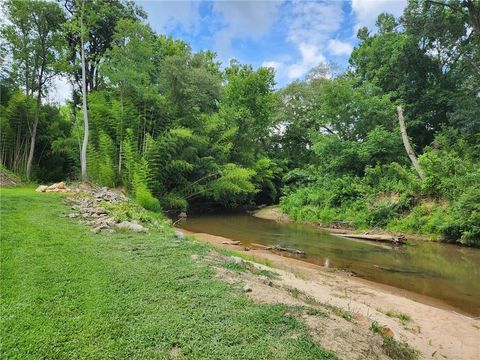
(243, 19)
(337, 47)
(367, 11)
(311, 57)
(277, 65)
(310, 26)
(314, 22)
(167, 15)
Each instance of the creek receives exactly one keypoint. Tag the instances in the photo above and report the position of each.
(445, 272)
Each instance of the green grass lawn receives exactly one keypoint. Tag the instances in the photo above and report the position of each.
(67, 293)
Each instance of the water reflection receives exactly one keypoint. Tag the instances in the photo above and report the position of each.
(442, 271)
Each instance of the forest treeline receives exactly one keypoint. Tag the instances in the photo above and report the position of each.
(178, 130)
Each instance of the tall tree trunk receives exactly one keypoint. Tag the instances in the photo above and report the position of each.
(34, 128)
(83, 153)
(406, 143)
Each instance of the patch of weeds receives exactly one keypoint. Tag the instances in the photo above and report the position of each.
(308, 310)
(403, 317)
(294, 292)
(315, 312)
(398, 350)
(267, 273)
(340, 296)
(347, 315)
(234, 266)
(310, 300)
(244, 256)
(245, 266)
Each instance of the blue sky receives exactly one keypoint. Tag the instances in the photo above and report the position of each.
(291, 36)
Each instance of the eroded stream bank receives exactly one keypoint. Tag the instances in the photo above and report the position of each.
(440, 271)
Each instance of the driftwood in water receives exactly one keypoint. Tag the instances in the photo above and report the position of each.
(231, 242)
(396, 239)
(289, 250)
(280, 248)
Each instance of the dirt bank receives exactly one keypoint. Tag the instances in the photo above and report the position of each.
(434, 329)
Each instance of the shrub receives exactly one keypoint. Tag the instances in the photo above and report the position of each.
(172, 201)
(146, 199)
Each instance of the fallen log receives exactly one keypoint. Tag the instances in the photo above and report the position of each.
(289, 250)
(279, 248)
(396, 239)
(263, 247)
(231, 242)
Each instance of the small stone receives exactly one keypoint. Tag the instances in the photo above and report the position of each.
(71, 216)
(179, 235)
(41, 188)
(268, 282)
(247, 288)
(237, 260)
(247, 249)
(100, 210)
(132, 226)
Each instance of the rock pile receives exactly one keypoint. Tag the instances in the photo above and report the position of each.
(88, 207)
(6, 180)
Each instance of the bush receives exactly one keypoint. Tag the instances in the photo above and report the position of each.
(146, 199)
(465, 227)
(171, 201)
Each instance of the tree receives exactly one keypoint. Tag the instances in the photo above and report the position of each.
(100, 18)
(130, 65)
(406, 143)
(37, 44)
(249, 105)
(83, 154)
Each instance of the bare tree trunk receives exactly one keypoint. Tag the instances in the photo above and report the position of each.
(83, 153)
(34, 132)
(406, 143)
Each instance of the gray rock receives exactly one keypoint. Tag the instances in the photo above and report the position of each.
(100, 210)
(41, 188)
(179, 235)
(133, 226)
(247, 288)
(237, 260)
(268, 282)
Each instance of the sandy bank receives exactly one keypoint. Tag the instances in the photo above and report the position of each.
(434, 329)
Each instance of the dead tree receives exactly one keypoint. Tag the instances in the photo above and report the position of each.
(406, 143)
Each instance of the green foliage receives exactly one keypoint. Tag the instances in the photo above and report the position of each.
(101, 169)
(233, 185)
(393, 348)
(145, 198)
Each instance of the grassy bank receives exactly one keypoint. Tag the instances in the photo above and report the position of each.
(69, 293)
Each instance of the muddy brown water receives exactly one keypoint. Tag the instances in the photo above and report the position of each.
(445, 272)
